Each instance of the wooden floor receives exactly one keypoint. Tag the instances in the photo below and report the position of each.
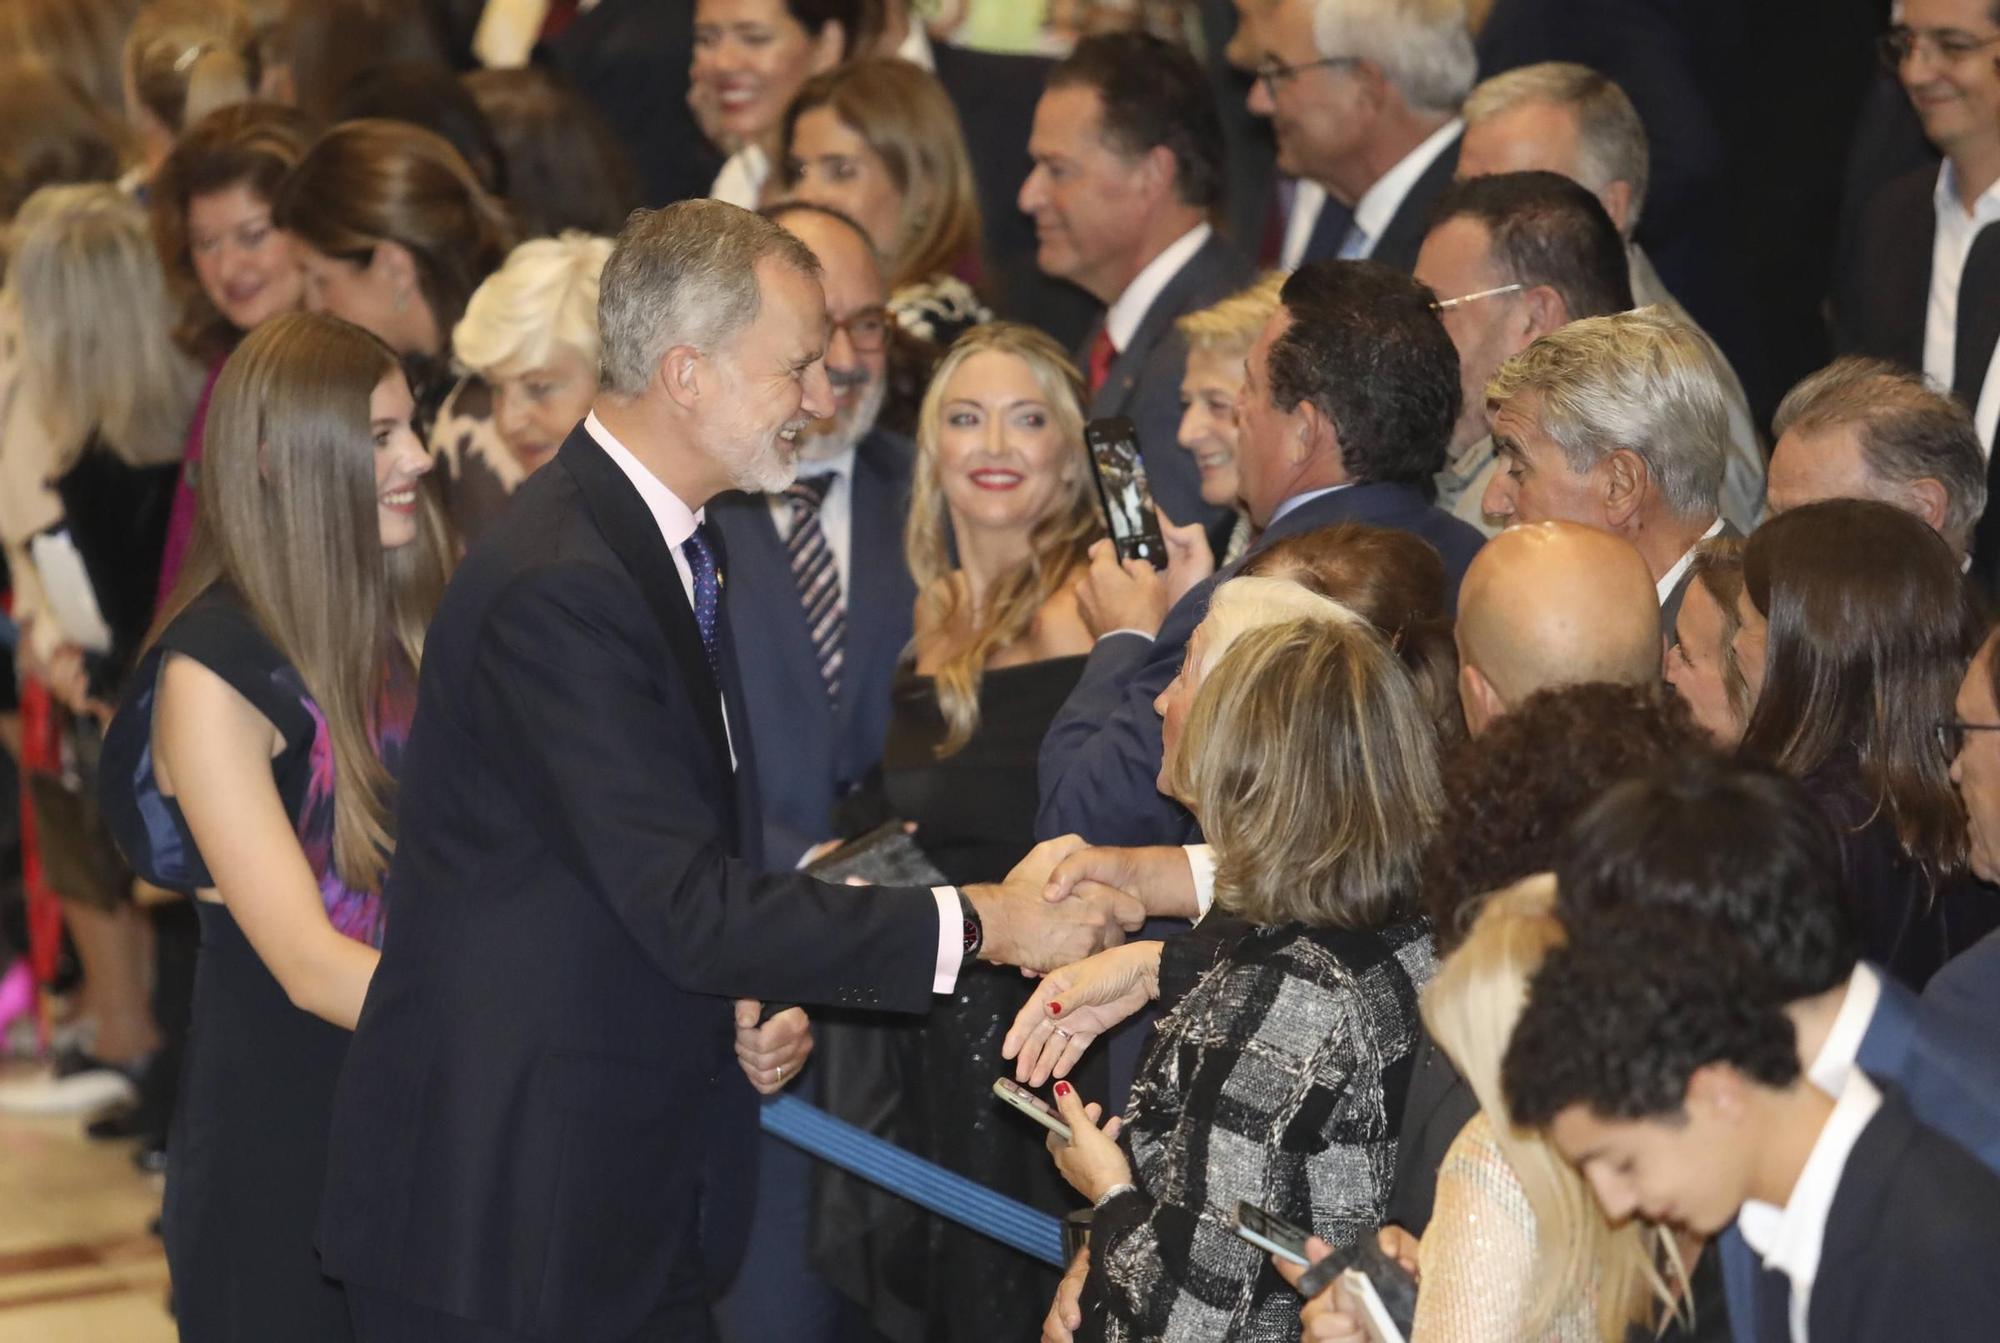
(76, 1263)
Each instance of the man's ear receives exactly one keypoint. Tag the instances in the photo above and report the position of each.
(1617, 202)
(1925, 497)
(830, 47)
(1479, 699)
(1542, 311)
(681, 374)
(1160, 173)
(1314, 434)
(1623, 486)
(1719, 1091)
(395, 263)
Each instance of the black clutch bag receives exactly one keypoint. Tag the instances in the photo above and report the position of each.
(885, 856)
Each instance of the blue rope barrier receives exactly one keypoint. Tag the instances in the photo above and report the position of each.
(923, 1183)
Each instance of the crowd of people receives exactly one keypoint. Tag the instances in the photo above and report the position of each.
(496, 497)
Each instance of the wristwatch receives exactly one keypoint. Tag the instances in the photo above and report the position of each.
(975, 932)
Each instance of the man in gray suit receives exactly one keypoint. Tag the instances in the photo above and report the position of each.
(1127, 148)
(1619, 423)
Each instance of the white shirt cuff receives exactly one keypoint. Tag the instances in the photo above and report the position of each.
(1201, 864)
(951, 939)
(1128, 630)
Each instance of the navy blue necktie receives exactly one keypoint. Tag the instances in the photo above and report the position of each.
(707, 591)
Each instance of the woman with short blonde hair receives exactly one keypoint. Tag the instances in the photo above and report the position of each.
(530, 335)
(1309, 762)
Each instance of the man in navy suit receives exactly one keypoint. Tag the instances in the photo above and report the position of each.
(545, 1126)
(1967, 989)
(819, 604)
(1348, 404)
(1748, 852)
(1653, 1054)
(1128, 167)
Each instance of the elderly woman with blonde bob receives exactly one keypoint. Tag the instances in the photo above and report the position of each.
(1309, 762)
(1219, 340)
(530, 335)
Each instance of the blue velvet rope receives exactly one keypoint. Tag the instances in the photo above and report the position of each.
(922, 1182)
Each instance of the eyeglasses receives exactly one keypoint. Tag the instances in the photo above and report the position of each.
(1951, 735)
(1273, 73)
(1948, 46)
(867, 330)
(1442, 305)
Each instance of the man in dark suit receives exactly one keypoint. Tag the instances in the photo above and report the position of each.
(819, 610)
(1619, 423)
(1322, 442)
(1967, 989)
(1365, 106)
(544, 1127)
(1128, 167)
(1867, 1224)
(630, 59)
(1748, 852)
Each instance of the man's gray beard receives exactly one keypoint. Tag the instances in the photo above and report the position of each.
(765, 469)
(825, 444)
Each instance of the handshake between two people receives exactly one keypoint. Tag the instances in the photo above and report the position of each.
(1055, 909)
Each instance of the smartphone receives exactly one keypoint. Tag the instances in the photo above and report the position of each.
(1121, 486)
(1358, 1294)
(1031, 1105)
(1271, 1233)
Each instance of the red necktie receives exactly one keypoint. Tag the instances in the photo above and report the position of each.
(1102, 352)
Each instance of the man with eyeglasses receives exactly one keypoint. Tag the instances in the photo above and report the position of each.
(1511, 257)
(1363, 97)
(1924, 288)
(1967, 988)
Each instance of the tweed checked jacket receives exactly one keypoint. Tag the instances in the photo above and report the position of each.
(1278, 1079)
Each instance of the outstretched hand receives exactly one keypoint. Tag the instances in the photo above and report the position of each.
(1022, 928)
(1072, 1006)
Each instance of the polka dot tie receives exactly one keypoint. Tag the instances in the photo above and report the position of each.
(707, 591)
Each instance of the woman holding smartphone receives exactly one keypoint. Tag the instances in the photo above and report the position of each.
(253, 761)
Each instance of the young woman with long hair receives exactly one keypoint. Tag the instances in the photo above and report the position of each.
(253, 762)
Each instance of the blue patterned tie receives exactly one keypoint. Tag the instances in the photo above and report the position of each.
(817, 577)
(707, 591)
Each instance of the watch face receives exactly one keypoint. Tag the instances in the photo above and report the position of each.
(971, 937)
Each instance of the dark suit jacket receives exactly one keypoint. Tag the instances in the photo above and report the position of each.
(1670, 609)
(1947, 1074)
(1404, 237)
(813, 752)
(1101, 756)
(541, 1124)
(1967, 989)
(1912, 1242)
(995, 94)
(1144, 383)
(630, 59)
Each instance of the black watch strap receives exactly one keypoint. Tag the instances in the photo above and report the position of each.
(975, 932)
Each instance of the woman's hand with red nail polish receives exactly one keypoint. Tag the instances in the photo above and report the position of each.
(1072, 1006)
(1091, 1160)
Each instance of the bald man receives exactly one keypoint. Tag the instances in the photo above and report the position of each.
(1549, 604)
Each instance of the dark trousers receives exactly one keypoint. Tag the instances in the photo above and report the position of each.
(777, 1293)
(381, 1317)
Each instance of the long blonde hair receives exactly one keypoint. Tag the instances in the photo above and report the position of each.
(1470, 1008)
(289, 520)
(1059, 546)
(94, 303)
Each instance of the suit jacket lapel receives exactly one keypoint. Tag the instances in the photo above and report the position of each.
(1123, 379)
(628, 527)
(1405, 232)
(1978, 319)
(875, 553)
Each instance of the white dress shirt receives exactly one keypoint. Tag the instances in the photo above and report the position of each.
(1789, 1239)
(1665, 587)
(1308, 199)
(741, 181)
(1950, 245)
(1834, 1064)
(1121, 320)
(677, 522)
(1378, 204)
(836, 512)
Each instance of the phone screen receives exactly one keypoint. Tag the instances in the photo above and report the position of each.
(1271, 1233)
(1122, 487)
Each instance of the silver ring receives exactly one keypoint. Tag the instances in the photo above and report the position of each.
(1067, 1035)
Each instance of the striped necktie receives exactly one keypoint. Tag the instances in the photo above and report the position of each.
(817, 577)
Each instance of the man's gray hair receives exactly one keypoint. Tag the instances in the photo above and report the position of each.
(1610, 137)
(1422, 46)
(1908, 429)
(1642, 381)
(685, 274)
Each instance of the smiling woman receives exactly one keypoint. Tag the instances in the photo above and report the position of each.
(750, 57)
